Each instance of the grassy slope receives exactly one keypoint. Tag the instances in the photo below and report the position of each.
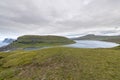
(61, 64)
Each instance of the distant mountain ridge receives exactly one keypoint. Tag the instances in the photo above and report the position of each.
(99, 37)
(8, 40)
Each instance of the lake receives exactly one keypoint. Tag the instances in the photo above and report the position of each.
(92, 44)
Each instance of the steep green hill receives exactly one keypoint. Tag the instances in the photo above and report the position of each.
(36, 41)
(97, 37)
(32, 39)
(61, 64)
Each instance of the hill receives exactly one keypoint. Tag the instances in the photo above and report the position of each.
(61, 64)
(115, 39)
(36, 41)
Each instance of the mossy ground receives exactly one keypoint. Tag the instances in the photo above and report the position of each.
(61, 64)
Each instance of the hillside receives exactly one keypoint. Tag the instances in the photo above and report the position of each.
(61, 64)
(36, 41)
(102, 38)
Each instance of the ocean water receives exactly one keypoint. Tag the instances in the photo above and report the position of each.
(92, 44)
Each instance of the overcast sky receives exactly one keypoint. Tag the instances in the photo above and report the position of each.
(61, 17)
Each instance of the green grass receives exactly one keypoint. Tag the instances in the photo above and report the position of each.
(34, 45)
(43, 39)
(61, 64)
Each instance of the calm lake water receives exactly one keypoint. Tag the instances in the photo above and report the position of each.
(92, 44)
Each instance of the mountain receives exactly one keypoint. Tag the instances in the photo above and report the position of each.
(36, 41)
(98, 37)
(8, 40)
(3, 44)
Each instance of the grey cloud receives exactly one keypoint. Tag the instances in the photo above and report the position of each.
(57, 16)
